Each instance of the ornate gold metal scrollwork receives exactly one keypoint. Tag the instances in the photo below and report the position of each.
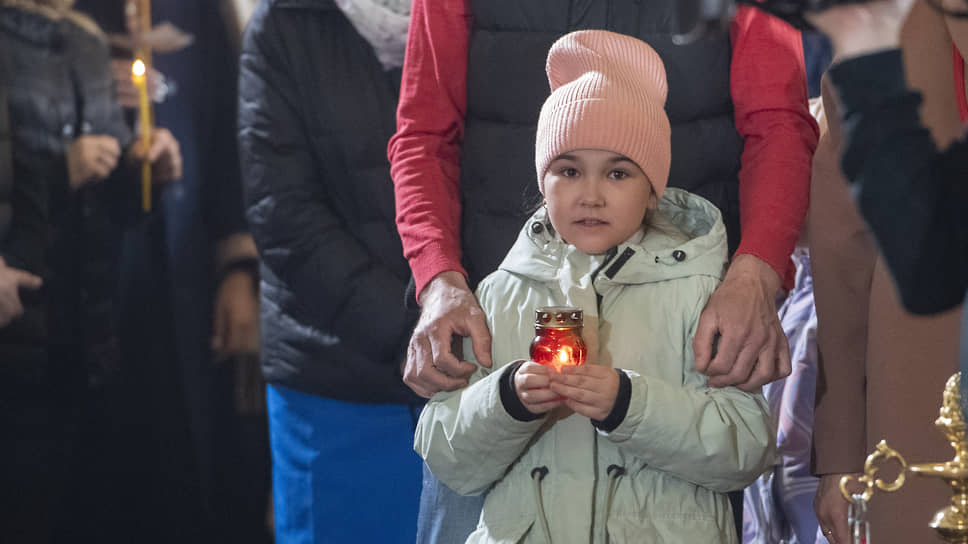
(951, 523)
(882, 454)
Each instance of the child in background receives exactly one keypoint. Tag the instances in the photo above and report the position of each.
(632, 446)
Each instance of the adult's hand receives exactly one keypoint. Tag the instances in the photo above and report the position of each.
(448, 308)
(91, 158)
(740, 320)
(859, 29)
(11, 281)
(163, 153)
(236, 327)
(831, 508)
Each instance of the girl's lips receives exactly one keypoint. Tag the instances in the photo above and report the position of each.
(591, 222)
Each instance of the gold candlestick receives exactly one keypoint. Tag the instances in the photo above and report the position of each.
(951, 523)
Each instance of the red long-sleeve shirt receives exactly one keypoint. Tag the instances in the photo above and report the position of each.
(769, 92)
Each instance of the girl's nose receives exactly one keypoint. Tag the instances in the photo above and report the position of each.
(591, 194)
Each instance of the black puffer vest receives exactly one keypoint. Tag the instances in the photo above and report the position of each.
(506, 86)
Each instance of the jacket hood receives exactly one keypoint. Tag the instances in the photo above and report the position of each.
(686, 238)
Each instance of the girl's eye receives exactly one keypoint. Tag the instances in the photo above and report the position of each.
(618, 174)
(569, 172)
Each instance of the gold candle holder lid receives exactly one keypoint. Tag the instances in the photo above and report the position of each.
(558, 317)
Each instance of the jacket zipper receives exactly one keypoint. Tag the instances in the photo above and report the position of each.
(609, 255)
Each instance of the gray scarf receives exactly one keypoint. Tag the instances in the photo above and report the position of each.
(382, 23)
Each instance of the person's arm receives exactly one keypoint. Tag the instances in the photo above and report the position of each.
(236, 321)
(469, 438)
(769, 92)
(302, 241)
(718, 438)
(908, 191)
(425, 151)
(842, 257)
(911, 194)
(424, 162)
(224, 209)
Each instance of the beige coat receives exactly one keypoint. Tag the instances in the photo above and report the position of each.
(882, 370)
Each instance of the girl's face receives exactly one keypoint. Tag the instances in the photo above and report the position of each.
(596, 199)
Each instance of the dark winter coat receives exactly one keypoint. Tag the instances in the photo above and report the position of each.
(315, 112)
(59, 87)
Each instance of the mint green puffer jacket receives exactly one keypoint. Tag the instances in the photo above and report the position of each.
(662, 474)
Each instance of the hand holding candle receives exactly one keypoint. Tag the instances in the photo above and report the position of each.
(164, 155)
(589, 390)
(531, 383)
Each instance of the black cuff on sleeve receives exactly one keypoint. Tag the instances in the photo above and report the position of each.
(509, 398)
(869, 80)
(621, 408)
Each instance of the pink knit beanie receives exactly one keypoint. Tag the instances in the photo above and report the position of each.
(608, 92)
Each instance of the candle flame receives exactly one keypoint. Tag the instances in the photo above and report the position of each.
(563, 357)
(138, 68)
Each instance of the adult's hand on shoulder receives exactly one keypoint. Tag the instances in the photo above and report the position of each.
(448, 308)
(752, 349)
(831, 508)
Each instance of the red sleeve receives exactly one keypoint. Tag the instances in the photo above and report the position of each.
(769, 90)
(424, 153)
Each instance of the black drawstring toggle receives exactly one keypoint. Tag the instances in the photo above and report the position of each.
(619, 471)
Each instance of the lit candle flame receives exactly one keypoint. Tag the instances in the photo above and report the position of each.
(564, 358)
(138, 68)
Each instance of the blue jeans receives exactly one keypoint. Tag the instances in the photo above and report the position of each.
(445, 517)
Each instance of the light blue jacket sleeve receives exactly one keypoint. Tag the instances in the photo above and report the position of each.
(467, 437)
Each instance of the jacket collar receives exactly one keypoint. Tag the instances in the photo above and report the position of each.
(688, 238)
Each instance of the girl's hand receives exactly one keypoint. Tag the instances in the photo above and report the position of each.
(589, 390)
(859, 29)
(531, 384)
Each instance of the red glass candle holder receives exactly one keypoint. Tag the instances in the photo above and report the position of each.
(557, 337)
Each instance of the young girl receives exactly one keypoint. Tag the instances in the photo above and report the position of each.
(632, 446)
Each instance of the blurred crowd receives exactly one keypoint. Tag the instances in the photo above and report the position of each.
(243, 354)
